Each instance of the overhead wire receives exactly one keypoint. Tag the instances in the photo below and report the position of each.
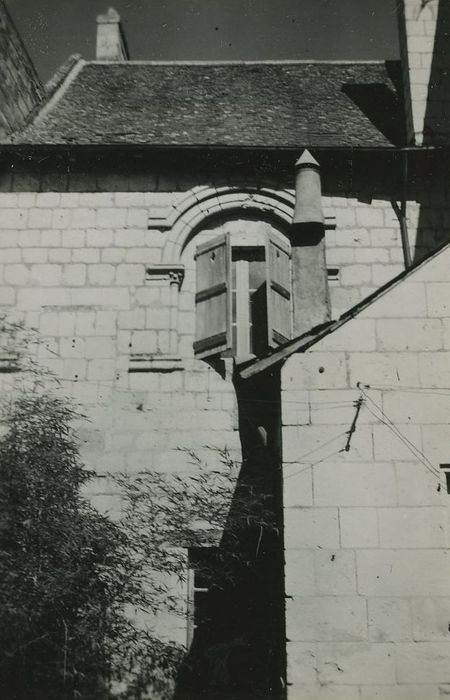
(314, 406)
(418, 454)
(314, 464)
(394, 426)
(407, 389)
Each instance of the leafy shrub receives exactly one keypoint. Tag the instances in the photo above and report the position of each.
(70, 577)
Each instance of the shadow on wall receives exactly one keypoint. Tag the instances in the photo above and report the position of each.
(430, 176)
(428, 188)
(437, 116)
(237, 651)
(430, 217)
(381, 105)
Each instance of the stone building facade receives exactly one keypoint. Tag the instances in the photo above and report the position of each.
(130, 190)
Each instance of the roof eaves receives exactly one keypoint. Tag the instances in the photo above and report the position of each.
(316, 334)
(260, 147)
(198, 62)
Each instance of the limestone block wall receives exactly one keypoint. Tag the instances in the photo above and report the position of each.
(365, 249)
(365, 246)
(75, 267)
(366, 503)
(101, 221)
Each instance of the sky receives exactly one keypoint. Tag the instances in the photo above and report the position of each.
(211, 29)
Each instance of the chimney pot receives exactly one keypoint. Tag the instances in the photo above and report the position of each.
(111, 41)
(110, 16)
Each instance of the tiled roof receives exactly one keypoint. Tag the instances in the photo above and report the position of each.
(268, 104)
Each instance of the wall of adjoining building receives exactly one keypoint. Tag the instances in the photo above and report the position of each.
(367, 511)
(20, 88)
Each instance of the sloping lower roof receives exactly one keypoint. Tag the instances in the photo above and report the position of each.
(265, 104)
(316, 334)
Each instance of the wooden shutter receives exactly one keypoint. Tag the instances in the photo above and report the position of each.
(213, 297)
(279, 317)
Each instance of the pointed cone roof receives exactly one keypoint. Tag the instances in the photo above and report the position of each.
(306, 160)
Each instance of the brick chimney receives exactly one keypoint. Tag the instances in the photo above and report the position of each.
(424, 27)
(21, 91)
(111, 41)
(311, 300)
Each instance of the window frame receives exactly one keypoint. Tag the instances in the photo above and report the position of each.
(278, 285)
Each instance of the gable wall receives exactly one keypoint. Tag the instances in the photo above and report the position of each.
(367, 530)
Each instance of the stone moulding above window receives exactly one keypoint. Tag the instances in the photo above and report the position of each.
(204, 202)
(160, 272)
(147, 362)
(160, 219)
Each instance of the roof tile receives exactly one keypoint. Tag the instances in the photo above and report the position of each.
(281, 105)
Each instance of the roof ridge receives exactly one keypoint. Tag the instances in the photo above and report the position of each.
(60, 74)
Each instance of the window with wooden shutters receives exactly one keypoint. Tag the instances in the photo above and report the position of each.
(213, 302)
(243, 297)
(279, 313)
